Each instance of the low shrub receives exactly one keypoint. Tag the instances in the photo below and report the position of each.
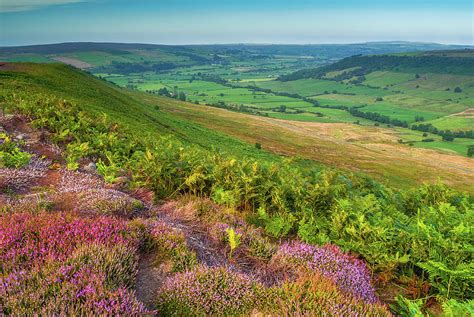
(349, 274)
(59, 264)
(208, 292)
(314, 295)
(94, 280)
(170, 244)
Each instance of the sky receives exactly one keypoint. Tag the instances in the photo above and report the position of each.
(25, 22)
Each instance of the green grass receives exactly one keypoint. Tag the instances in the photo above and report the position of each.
(454, 123)
(404, 114)
(387, 78)
(312, 87)
(459, 146)
(131, 110)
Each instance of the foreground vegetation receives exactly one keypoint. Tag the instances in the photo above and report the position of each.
(420, 238)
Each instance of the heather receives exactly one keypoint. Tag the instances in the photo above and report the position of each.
(20, 179)
(349, 274)
(314, 295)
(220, 292)
(206, 291)
(170, 245)
(29, 240)
(93, 196)
(60, 264)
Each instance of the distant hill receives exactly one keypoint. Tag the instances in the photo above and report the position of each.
(202, 54)
(455, 62)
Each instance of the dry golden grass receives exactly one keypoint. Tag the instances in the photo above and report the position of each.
(371, 150)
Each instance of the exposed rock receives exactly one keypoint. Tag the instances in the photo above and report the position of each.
(90, 168)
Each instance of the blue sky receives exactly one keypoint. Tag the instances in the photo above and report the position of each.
(239, 21)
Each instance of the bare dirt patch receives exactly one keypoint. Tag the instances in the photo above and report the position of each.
(149, 279)
(468, 113)
(73, 62)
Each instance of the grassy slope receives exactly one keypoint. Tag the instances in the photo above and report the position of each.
(131, 110)
(366, 149)
(369, 149)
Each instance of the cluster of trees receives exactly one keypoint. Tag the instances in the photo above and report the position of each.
(357, 72)
(237, 108)
(374, 116)
(470, 150)
(166, 93)
(213, 79)
(193, 57)
(363, 65)
(283, 109)
(447, 135)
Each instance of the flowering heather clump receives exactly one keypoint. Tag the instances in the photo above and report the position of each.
(34, 202)
(171, 245)
(208, 291)
(87, 283)
(20, 179)
(314, 295)
(348, 273)
(28, 240)
(59, 264)
(77, 182)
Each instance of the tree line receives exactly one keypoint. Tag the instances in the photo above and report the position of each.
(366, 64)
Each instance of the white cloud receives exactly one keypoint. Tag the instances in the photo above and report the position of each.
(27, 5)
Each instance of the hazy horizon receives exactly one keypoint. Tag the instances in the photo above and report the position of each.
(247, 44)
(187, 22)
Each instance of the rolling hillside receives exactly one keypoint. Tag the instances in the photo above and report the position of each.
(129, 205)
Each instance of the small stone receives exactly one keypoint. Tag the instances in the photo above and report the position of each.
(21, 136)
(91, 167)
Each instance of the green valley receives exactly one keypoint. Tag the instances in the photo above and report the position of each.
(206, 166)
